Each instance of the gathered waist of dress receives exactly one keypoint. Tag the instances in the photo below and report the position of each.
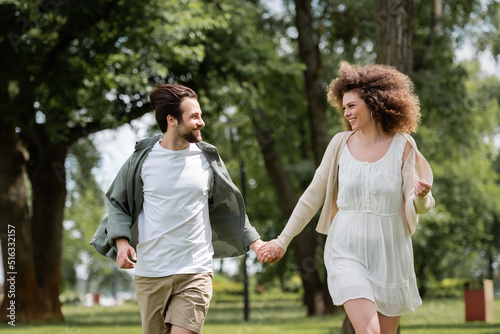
(372, 212)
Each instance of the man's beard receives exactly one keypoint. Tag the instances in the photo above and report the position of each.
(189, 136)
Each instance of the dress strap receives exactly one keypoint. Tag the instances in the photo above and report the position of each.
(400, 145)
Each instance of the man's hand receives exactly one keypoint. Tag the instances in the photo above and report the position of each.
(124, 251)
(255, 246)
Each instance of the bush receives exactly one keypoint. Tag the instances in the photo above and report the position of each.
(446, 288)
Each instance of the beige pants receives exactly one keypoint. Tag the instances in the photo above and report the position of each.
(181, 300)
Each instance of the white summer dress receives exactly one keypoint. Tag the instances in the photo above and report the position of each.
(368, 252)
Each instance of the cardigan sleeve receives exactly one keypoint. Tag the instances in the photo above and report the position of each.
(415, 168)
(307, 206)
(312, 199)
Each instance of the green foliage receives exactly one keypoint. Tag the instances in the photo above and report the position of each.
(447, 288)
(66, 57)
(486, 26)
(222, 285)
(85, 210)
(459, 117)
(89, 66)
(456, 134)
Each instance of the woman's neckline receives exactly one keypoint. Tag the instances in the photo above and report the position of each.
(369, 162)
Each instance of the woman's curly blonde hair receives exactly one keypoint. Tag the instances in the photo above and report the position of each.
(388, 93)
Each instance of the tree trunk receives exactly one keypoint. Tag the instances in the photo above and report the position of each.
(394, 40)
(48, 179)
(275, 169)
(316, 296)
(316, 95)
(437, 13)
(394, 46)
(23, 301)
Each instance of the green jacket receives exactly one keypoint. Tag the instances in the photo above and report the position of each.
(231, 230)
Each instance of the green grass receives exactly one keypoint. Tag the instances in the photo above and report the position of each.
(267, 316)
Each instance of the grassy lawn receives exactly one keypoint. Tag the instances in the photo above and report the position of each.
(267, 316)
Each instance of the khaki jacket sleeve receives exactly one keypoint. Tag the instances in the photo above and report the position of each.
(118, 221)
(119, 212)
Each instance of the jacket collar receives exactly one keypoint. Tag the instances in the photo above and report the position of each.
(148, 142)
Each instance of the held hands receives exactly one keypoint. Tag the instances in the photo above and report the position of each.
(267, 251)
(124, 251)
(422, 188)
(270, 252)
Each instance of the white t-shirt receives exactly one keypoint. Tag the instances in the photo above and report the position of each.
(174, 226)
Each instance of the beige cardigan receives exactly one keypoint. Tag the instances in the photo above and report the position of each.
(322, 192)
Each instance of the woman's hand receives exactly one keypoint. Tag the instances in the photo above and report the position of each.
(270, 252)
(422, 188)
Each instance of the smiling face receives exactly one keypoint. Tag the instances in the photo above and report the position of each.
(192, 123)
(356, 111)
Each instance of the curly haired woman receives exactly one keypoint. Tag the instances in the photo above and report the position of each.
(372, 184)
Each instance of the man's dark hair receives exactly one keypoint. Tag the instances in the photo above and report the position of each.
(166, 100)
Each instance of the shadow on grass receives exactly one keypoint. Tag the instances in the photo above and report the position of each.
(468, 325)
(123, 318)
(282, 315)
(263, 313)
(88, 317)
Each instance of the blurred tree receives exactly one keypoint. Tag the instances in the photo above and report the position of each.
(55, 55)
(71, 70)
(306, 245)
(15, 225)
(394, 36)
(85, 206)
(485, 28)
(452, 137)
